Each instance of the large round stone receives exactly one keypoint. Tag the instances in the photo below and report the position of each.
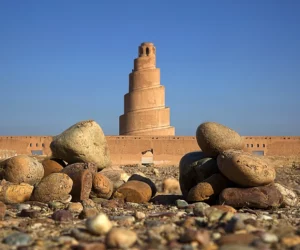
(22, 169)
(214, 138)
(55, 186)
(194, 167)
(82, 142)
(245, 169)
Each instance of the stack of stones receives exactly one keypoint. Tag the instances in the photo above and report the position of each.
(222, 173)
(79, 169)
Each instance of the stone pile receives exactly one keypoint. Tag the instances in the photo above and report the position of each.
(79, 169)
(222, 173)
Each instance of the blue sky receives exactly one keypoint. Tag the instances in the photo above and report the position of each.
(233, 62)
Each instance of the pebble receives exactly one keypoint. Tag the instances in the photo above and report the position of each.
(245, 239)
(139, 215)
(143, 178)
(14, 193)
(269, 238)
(29, 213)
(291, 241)
(66, 240)
(236, 247)
(17, 239)
(99, 224)
(62, 215)
(181, 204)
(199, 208)
(121, 238)
(102, 186)
(22, 206)
(75, 207)
(56, 205)
(235, 224)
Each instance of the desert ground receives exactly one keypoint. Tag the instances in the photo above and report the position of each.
(161, 223)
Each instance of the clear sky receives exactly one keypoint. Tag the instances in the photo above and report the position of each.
(233, 62)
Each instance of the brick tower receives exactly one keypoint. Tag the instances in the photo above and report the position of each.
(144, 105)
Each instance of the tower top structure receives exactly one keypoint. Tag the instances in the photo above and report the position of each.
(144, 105)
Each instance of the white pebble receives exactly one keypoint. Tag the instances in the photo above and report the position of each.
(99, 224)
(121, 238)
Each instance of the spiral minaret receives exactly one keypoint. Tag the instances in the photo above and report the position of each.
(144, 105)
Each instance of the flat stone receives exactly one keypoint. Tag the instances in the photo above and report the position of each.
(245, 169)
(255, 197)
(243, 239)
(15, 193)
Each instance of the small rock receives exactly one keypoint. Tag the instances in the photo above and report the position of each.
(22, 169)
(269, 238)
(82, 175)
(134, 191)
(289, 197)
(140, 215)
(54, 187)
(235, 224)
(62, 215)
(210, 187)
(138, 177)
(14, 193)
(120, 238)
(171, 186)
(99, 224)
(225, 208)
(17, 239)
(117, 176)
(102, 186)
(244, 239)
(67, 240)
(2, 210)
(199, 208)
(200, 236)
(291, 241)
(75, 207)
(55, 205)
(29, 213)
(51, 166)
(181, 204)
(21, 206)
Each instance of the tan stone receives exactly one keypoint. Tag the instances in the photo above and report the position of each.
(22, 168)
(120, 238)
(102, 186)
(11, 193)
(138, 177)
(245, 169)
(171, 186)
(51, 166)
(56, 186)
(134, 191)
(224, 208)
(2, 210)
(289, 197)
(82, 142)
(214, 138)
(210, 187)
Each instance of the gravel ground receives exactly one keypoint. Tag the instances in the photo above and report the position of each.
(166, 224)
